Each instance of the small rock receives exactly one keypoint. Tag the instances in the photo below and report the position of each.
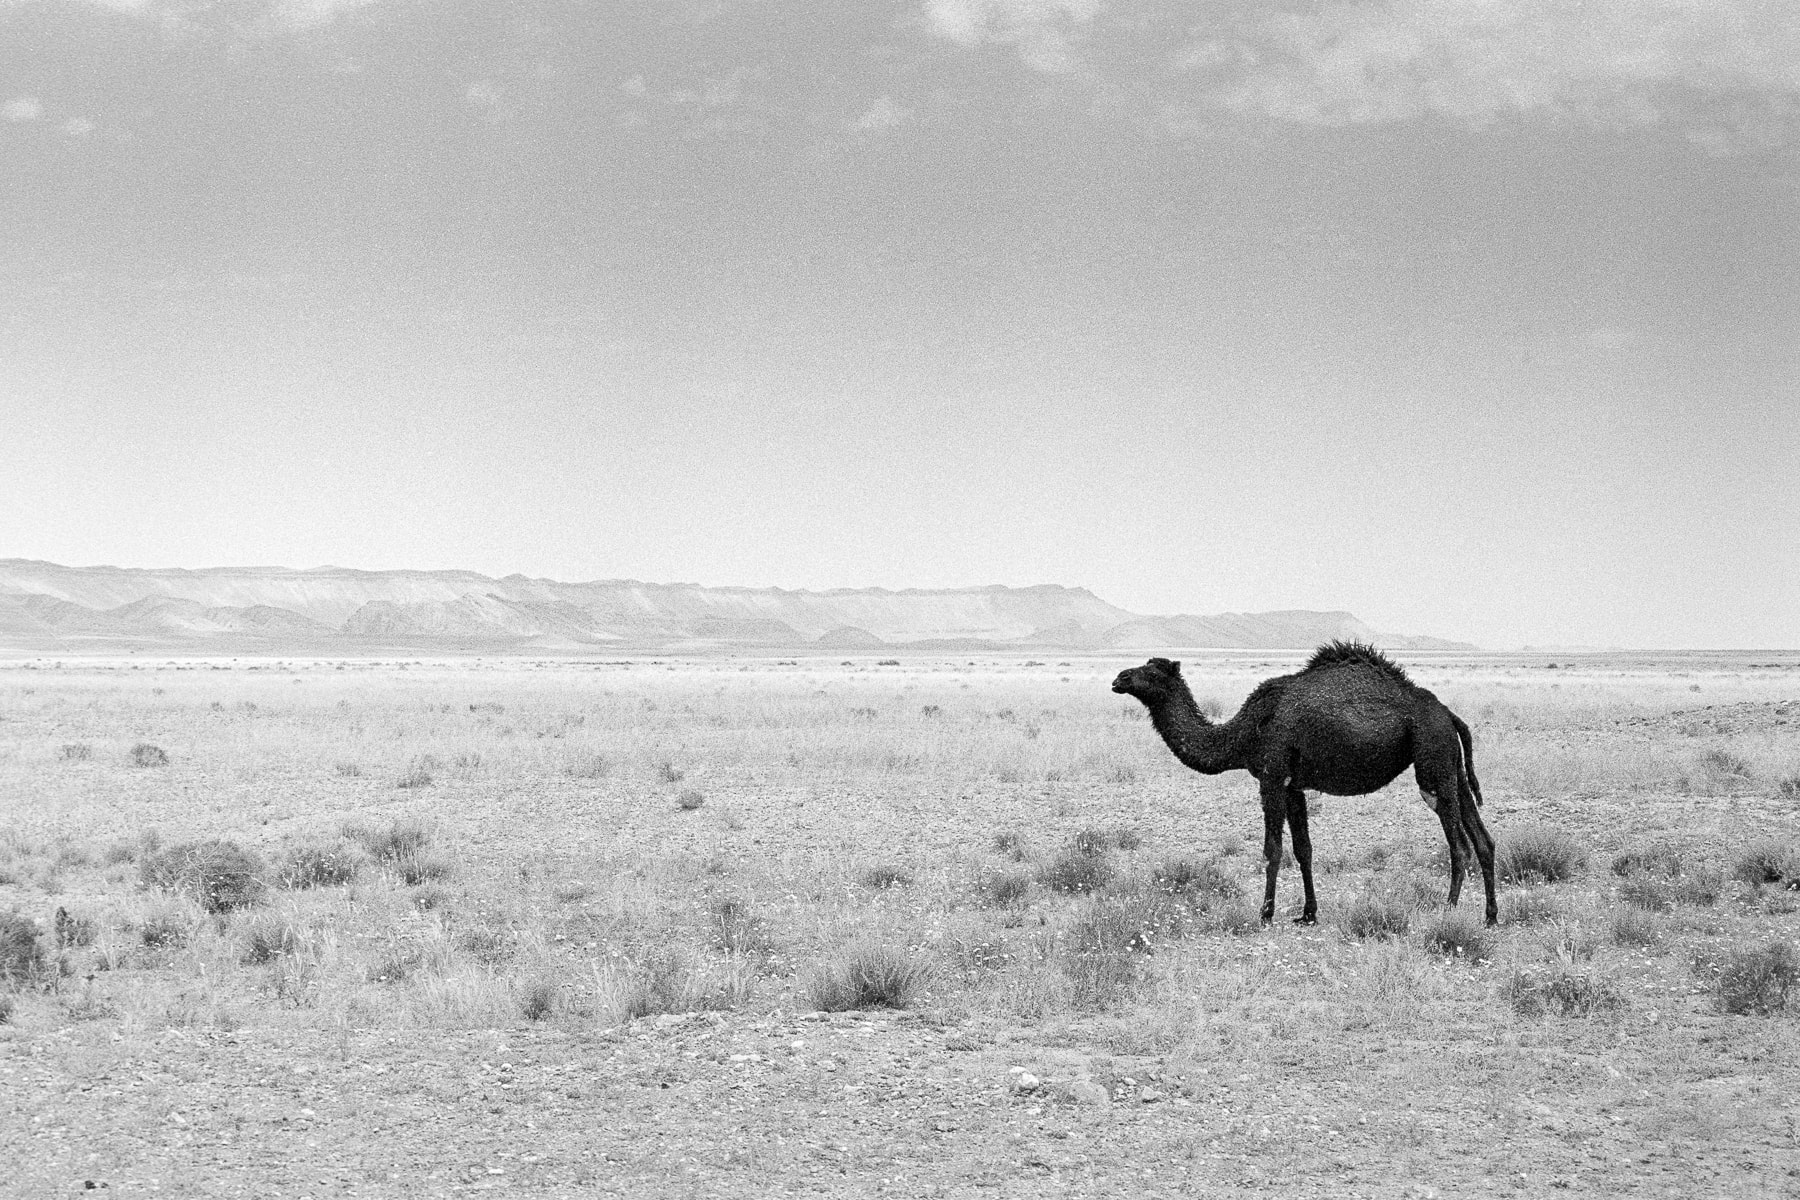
(1086, 1091)
(1150, 1095)
(1025, 1081)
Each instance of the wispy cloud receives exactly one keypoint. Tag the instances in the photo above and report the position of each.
(882, 114)
(1041, 31)
(1708, 64)
(22, 108)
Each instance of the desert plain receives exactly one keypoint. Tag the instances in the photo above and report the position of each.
(855, 926)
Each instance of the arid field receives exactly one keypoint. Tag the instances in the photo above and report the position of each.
(915, 927)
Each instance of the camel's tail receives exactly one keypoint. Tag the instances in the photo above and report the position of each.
(1468, 756)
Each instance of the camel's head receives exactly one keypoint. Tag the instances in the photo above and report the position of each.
(1156, 680)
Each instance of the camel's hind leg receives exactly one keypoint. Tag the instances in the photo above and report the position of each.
(1469, 810)
(1274, 802)
(1296, 819)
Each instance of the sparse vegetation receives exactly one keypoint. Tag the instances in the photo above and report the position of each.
(689, 800)
(1538, 854)
(1562, 991)
(872, 975)
(319, 866)
(1376, 917)
(883, 876)
(76, 752)
(1459, 933)
(1076, 870)
(217, 875)
(21, 955)
(1195, 877)
(1767, 862)
(1758, 980)
(146, 755)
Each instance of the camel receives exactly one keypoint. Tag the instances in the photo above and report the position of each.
(1347, 724)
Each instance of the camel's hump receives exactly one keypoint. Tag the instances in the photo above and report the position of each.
(1333, 654)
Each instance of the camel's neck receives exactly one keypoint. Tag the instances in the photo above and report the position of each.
(1197, 742)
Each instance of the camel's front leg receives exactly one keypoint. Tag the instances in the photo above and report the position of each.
(1296, 816)
(1274, 802)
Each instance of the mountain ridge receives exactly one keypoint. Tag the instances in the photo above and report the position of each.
(45, 605)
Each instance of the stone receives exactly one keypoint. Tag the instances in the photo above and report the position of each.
(1025, 1081)
(1089, 1093)
(1150, 1095)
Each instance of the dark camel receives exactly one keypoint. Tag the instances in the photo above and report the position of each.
(1347, 724)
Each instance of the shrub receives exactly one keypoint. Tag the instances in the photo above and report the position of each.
(416, 775)
(1459, 934)
(1376, 917)
(1075, 871)
(415, 869)
(318, 866)
(1758, 980)
(1127, 839)
(218, 875)
(588, 766)
(738, 930)
(1091, 842)
(77, 752)
(400, 839)
(1560, 990)
(73, 930)
(1767, 862)
(668, 772)
(1100, 959)
(1538, 854)
(689, 800)
(119, 852)
(1001, 888)
(21, 957)
(1634, 927)
(884, 876)
(269, 937)
(538, 998)
(430, 898)
(7, 1007)
(663, 981)
(868, 976)
(1010, 844)
(165, 930)
(1192, 877)
(1571, 943)
(1723, 765)
(145, 755)
(1789, 788)
(1658, 858)
(1532, 907)
(1237, 920)
(348, 770)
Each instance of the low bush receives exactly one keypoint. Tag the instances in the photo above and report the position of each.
(21, 956)
(538, 998)
(869, 976)
(1533, 906)
(884, 876)
(737, 929)
(72, 930)
(145, 755)
(1460, 934)
(1634, 927)
(269, 937)
(415, 869)
(400, 839)
(1758, 980)
(1562, 991)
(218, 875)
(1376, 917)
(664, 980)
(319, 866)
(77, 752)
(1657, 858)
(1195, 878)
(689, 800)
(1003, 888)
(165, 930)
(416, 775)
(1539, 854)
(1075, 871)
(1010, 844)
(1767, 862)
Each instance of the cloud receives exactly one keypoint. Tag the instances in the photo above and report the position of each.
(310, 14)
(1039, 30)
(882, 114)
(1713, 65)
(78, 127)
(22, 108)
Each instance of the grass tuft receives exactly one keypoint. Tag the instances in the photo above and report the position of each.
(1634, 927)
(72, 930)
(1460, 934)
(218, 875)
(403, 838)
(1534, 906)
(1194, 877)
(1076, 872)
(1379, 917)
(1563, 991)
(145, 755)
(268, 937)
(1767, 862)
(539, 997)
(689, 800)
(1003, 888)
(883, 876)
(319, 866)
(871, 975)
(1539, 854)
(21, 957)
(76, 752)
(1758, 980)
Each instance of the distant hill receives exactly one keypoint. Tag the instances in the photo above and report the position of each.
(331, 610)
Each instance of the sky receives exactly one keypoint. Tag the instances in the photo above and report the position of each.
(1477, 318)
